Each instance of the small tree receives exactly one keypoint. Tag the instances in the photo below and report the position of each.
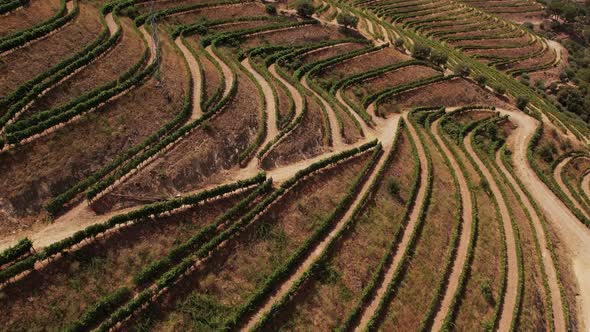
(399, 43)
(481, 80)
(271, 9)
(462, 70)
(439, 58)
(421, 51)
(304, 8)
(347, 20)
(393, 188)
(521, 102)
(499, 89)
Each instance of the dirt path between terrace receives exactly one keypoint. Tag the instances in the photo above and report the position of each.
(465, 236)
(360, 120)
(393, 126)
(228, 74)
(557, 175)
(574, 234)
(297, 98)
(270, 107)
(370, 309)
(547, 260)
(511, 292)
(195, 70)
(586, 184)
(337, 141)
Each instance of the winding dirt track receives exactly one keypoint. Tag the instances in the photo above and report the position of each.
(297, 98)
(195, 70)
(575, 236)
(337, 141)
(393, 126)
(557, 175)
(547, 260)
(466, 230)
(511, 291)
(370, 309)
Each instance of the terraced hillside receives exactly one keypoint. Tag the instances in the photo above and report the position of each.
(329, 165)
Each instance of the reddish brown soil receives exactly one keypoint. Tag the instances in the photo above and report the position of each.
(106, 69)
(326, 53)
(524, 41)
(441, 94)
(27, 62)
(238, 26)
(69, 285)
(509, 52)
(394, 78)
(50, 165)
(217, 13)
(360, 64)
(305, 141)
(200, 158)
(301, 35)
(546, 57)
(36, 12)
(163, 4)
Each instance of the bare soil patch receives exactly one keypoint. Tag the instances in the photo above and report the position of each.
(198, 159)
(296, 36)
(217, 13)
(438, 94)
(27, 62)
(46, 167)
(35, 12)
(106, 69)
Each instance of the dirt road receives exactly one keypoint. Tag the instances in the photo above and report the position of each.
(575, 236)
(195, 70)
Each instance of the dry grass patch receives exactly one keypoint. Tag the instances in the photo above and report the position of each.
(305, 141)
(200, 158)
(217, 13)
(328, 297)
(415, 291)
(54, 297)
(205, 299)
(301, 35)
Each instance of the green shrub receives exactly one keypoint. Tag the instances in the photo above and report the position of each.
(462, 70)
(304, 8)
(522, 102)
(486, 291)
(481, 80)
(439, 58)
(347, 20)
(393, 188)
(271, 9)
(421, 51)
(399, 43)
